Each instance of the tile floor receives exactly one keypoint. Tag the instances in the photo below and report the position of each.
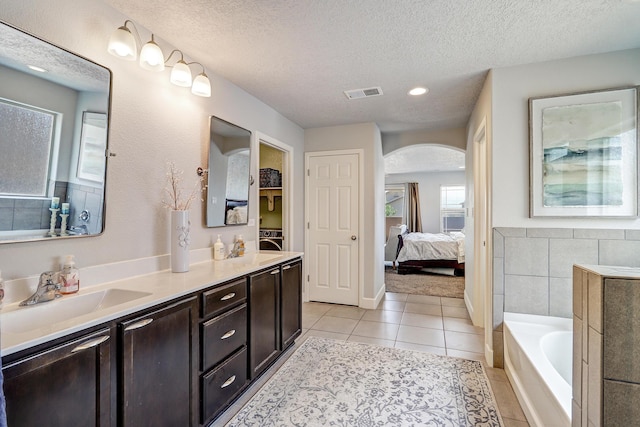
(425, 323)
(416, 322)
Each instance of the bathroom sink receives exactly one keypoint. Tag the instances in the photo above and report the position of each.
(47, 314)
(256, 258)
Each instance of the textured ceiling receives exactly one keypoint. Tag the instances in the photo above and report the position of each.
(300, 55)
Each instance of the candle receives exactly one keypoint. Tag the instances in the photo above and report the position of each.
(55, 202)
(65, 208)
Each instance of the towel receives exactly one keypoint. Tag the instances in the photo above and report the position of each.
(3, 411)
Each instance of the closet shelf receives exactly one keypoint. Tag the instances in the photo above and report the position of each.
(271, 193)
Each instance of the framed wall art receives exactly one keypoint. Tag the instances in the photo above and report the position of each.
(584, 154)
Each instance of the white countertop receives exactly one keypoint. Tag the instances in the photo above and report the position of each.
(161, 287)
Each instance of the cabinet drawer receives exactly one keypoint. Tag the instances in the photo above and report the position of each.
(222, 384)
(219, 299)
(223, 335)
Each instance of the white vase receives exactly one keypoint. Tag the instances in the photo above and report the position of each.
(180, 241)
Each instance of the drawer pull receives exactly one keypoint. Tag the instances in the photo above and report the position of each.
(91, 343)
(228, 334)
(286, 267)
(275, 272)
(228, 382)
(228, 296)
(139, 324)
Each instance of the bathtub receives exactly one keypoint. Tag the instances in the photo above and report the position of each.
(537, 360)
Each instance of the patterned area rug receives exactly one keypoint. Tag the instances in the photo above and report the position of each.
(337, 383)
(424, 284)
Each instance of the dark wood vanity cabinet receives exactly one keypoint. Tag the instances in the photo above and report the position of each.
(223, 343)
(159, 363)
(291, 303)
(264, 320)
(68, 384)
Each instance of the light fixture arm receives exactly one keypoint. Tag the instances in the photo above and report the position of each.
(171, 54)
(134, 32)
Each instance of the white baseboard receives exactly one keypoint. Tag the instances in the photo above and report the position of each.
(372, 303)
(467, 302)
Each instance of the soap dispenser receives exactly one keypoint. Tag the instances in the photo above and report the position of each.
(218, 249)
(240, 242)
(69, 277)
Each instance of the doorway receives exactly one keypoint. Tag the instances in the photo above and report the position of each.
(270, 232)
(333, 202)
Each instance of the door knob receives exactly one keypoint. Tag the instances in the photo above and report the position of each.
(353, 237)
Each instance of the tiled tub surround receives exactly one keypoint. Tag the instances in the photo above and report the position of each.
(532, 268)
(606, 346)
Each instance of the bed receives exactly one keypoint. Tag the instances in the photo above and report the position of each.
(416, 251)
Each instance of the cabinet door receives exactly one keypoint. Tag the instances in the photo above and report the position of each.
(66, 385)
(158, 375)
(264, 320)
(291, 303)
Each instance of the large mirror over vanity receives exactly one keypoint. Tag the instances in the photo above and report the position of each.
(54, 115)
(229, 174)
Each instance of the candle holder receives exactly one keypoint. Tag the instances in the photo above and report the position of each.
(63, 224)
(52, 223)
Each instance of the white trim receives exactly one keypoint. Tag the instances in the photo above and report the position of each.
(360, 154)
(287, 187)
(372, 303)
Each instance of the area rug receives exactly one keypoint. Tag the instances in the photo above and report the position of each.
(424, 284)
(339, 383)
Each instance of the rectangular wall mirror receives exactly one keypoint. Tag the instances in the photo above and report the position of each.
(54, 109)
(229, 174)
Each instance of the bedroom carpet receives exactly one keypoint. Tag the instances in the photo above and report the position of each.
(424, 284)
(339, 383)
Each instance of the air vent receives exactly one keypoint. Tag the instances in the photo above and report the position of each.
(363, 93)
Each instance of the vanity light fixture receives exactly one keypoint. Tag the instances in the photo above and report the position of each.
(122, 44)
(151, 56)
(418, 91)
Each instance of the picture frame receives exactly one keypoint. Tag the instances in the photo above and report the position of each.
(93, 143)
(583, 158)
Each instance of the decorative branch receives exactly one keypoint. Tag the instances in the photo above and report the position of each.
(175, 198)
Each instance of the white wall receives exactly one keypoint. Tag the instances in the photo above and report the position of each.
(152, 122)
(365, 136)
(512, 87)
(448, 137)
(429, 186)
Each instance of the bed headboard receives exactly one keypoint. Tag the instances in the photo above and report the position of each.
(391, 248)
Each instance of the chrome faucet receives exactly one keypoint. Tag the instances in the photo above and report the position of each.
(48, 289)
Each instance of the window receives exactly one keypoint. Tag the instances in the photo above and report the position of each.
(451, 208)
(394, 201)
(27, 142)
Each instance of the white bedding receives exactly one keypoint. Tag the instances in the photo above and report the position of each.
(428, 246)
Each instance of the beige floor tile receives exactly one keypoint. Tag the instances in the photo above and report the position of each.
(346, 311)
(374, 341)
(463, 341)
(325, 334)
(453, 302)
(507, 401)
(419, 347)
(432, 309)
(509, 422)
(394, 296)
(422, 320)
(392, 305)
(466, 355)
(496, 374)
(308, 320)
(365, 328)
(424, 299)
(385, 316)
(424, 336)
(460, 312)
(316, 308)
(461, 325)
(335, 324)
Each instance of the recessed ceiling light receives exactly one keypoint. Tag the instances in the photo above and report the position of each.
(34, 68)
(461, 167)
(418, 91)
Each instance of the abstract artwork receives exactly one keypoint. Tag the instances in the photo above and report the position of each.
(584, 156)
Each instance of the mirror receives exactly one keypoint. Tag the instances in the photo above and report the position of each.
(54, 108)
(229, 174)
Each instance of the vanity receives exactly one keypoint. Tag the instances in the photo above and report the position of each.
(161, 349)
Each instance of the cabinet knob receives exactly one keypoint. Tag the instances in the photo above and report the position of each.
(228, 382)
(353, 237)
(228, 296)
(228, 334)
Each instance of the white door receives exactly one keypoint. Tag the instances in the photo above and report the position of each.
(333, 195)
